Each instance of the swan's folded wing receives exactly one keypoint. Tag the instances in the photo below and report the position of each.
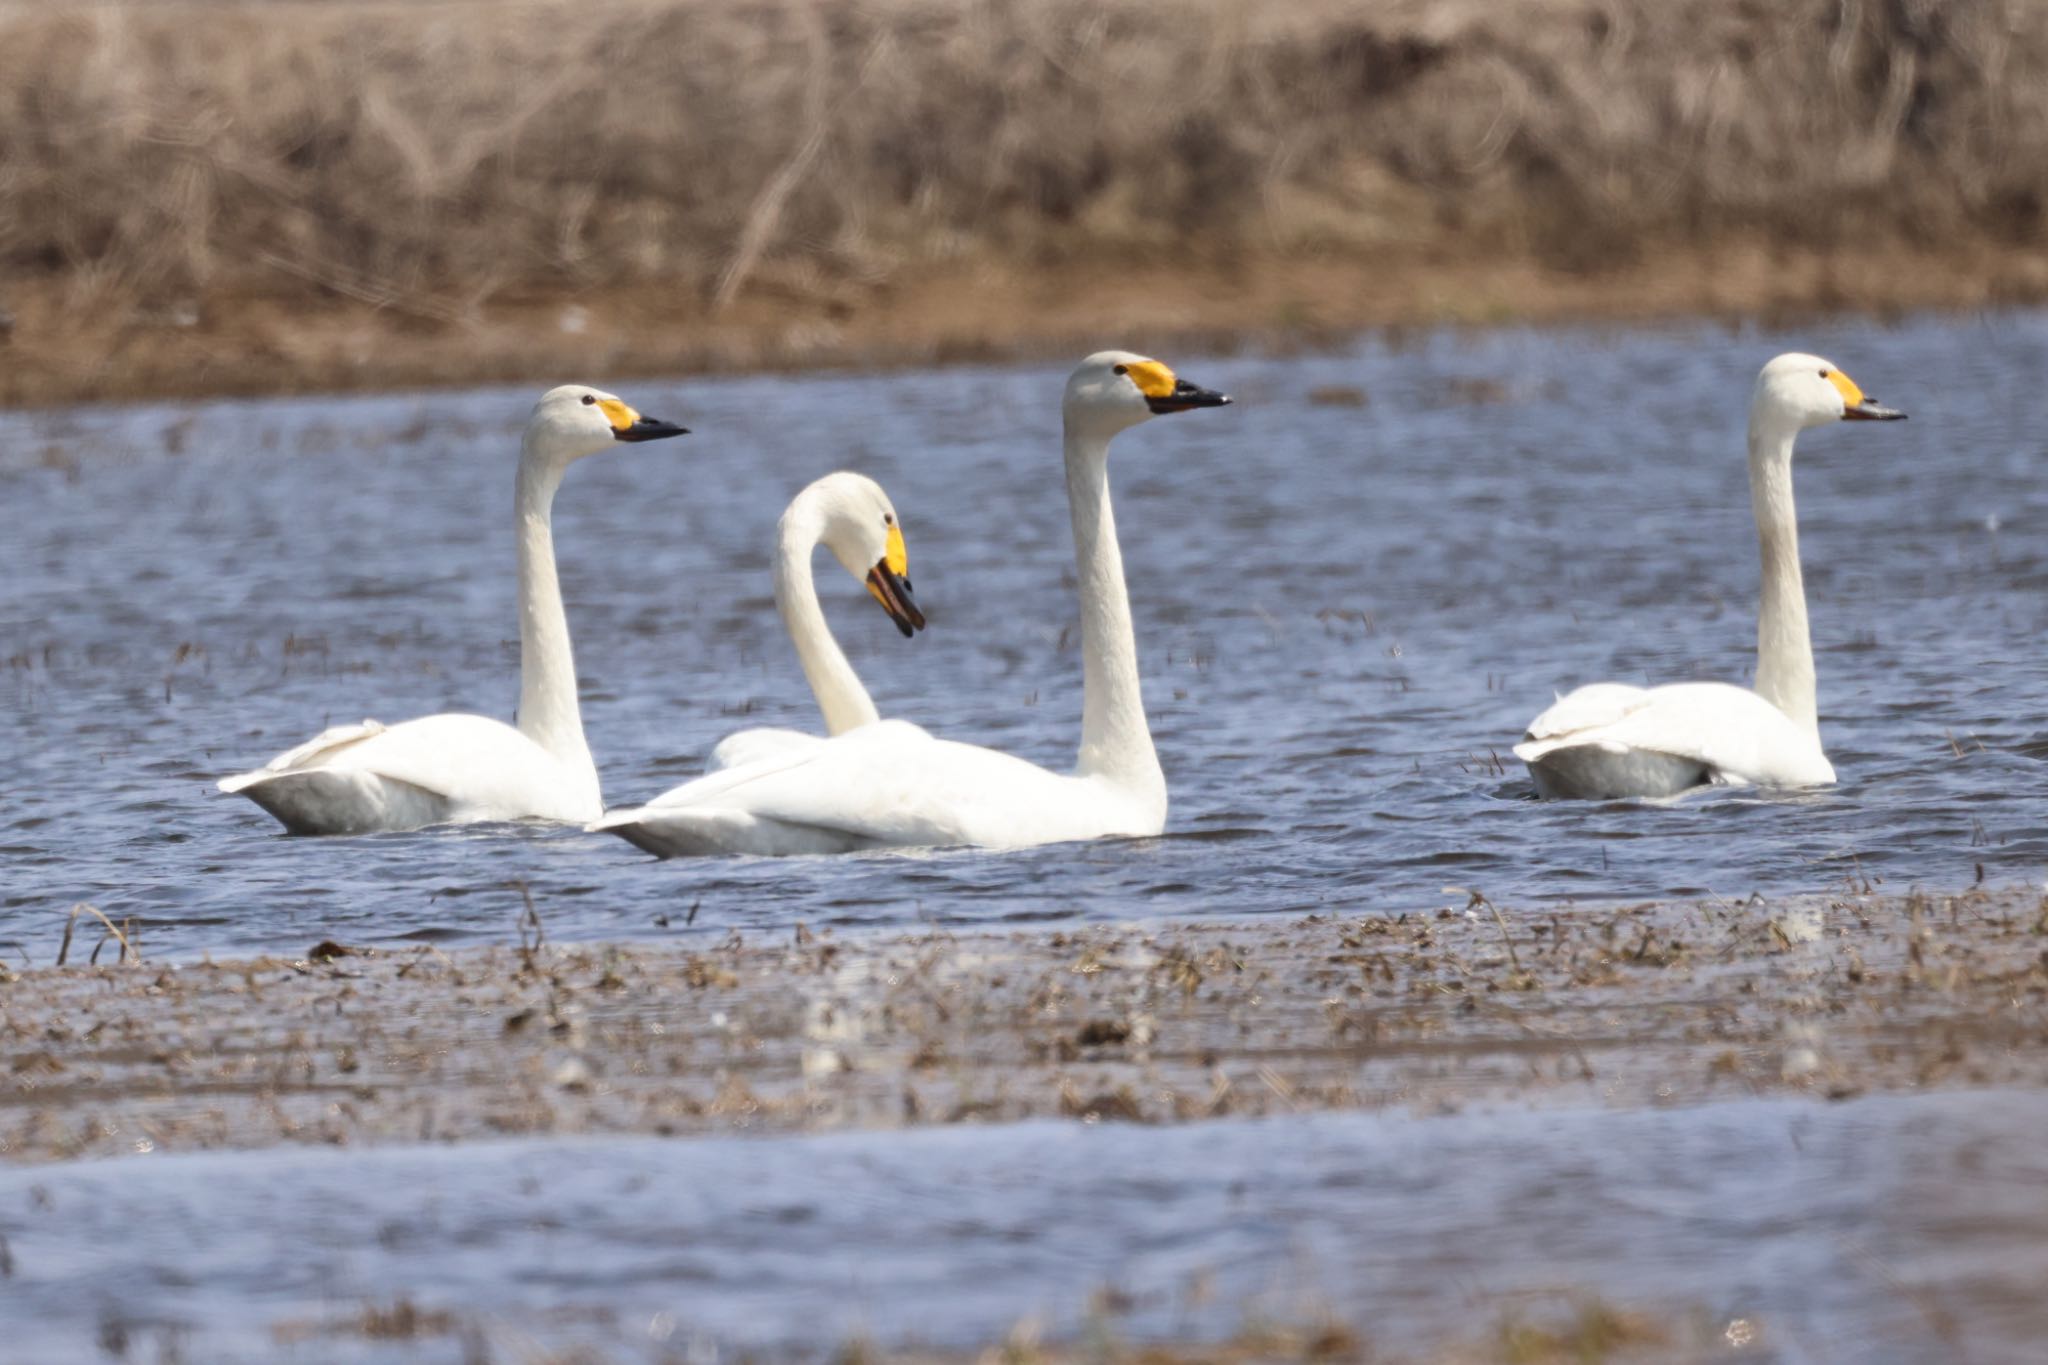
(1730, 731)
(312, 753)
(1580, 712)
(745, 747)
(889, 783)
(447, 755)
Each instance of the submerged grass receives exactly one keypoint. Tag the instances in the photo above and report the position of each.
(1546, 1329)
(217, 177)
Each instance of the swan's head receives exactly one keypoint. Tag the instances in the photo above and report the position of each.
(1117, 389)
(1806, 391)
(576, 420)
(856, 521)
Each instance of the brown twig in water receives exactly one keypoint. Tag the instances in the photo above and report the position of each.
(1506, 939)
(71, 924)
(532, 935)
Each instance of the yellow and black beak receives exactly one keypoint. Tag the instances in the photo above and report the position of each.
(1184, 396)
(889, 582)
(628, 425)
(1165, 391)
(1858, 406)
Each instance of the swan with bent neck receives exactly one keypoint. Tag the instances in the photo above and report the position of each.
(366, 778)
(1610, 740)
(890, 784)
(851, 516)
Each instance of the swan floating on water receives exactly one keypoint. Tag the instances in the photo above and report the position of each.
(1609, 740)
(890, 784)
(851, 516)
(359, 779)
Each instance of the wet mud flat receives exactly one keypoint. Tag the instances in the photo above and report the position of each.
(1428, 1013)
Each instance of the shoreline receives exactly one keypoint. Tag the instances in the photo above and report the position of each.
(575, 192)
(1616, 1007)
(287, 345)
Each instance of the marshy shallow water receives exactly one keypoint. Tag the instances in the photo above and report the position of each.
(1885, 1229)
(1351, 590)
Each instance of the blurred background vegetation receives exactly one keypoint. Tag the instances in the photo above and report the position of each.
(292, 194)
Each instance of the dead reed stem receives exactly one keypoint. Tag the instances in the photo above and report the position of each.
(71, 924)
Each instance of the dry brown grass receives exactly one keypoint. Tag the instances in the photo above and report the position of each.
(173, 167)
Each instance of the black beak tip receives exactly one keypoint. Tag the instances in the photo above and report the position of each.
(1186, 397)
(650, 429)
(893, 592)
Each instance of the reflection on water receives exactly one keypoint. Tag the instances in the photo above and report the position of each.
(1347, 613)
(1879, 1230)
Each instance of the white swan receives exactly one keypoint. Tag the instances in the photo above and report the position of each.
(851, 516)
(1612, 740)
(356, 779)
(891, 784)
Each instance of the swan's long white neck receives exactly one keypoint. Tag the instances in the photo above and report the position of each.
(1784, 644)
(842, 699)
(548, 713)
(1116, 743)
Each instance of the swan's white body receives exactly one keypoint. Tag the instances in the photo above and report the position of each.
(890, 784)
(851, 516)
(360, 779)
(1610, 740)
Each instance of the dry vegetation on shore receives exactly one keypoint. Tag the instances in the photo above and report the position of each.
(208, 195)
(1626, 1006)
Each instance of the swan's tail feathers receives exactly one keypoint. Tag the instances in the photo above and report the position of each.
(339, 800)
(713, 831)
(241, 781)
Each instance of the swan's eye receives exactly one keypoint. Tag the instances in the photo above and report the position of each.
(589, 400)
(888, 518)
(1823, 374)
(1123, 369)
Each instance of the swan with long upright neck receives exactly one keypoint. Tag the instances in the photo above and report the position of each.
(1609, 740)
(890, 784)
(359, 779)
(851, 516)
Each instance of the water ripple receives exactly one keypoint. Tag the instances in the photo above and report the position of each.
(1347, 616)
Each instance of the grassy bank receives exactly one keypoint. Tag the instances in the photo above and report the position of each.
(218, 196)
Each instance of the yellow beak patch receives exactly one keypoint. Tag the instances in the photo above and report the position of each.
(896, 560)
(1851, 395)
(618, 414)
(1153, 379)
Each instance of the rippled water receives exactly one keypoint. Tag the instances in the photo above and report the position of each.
(1895, 1229)
(1346, 612)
